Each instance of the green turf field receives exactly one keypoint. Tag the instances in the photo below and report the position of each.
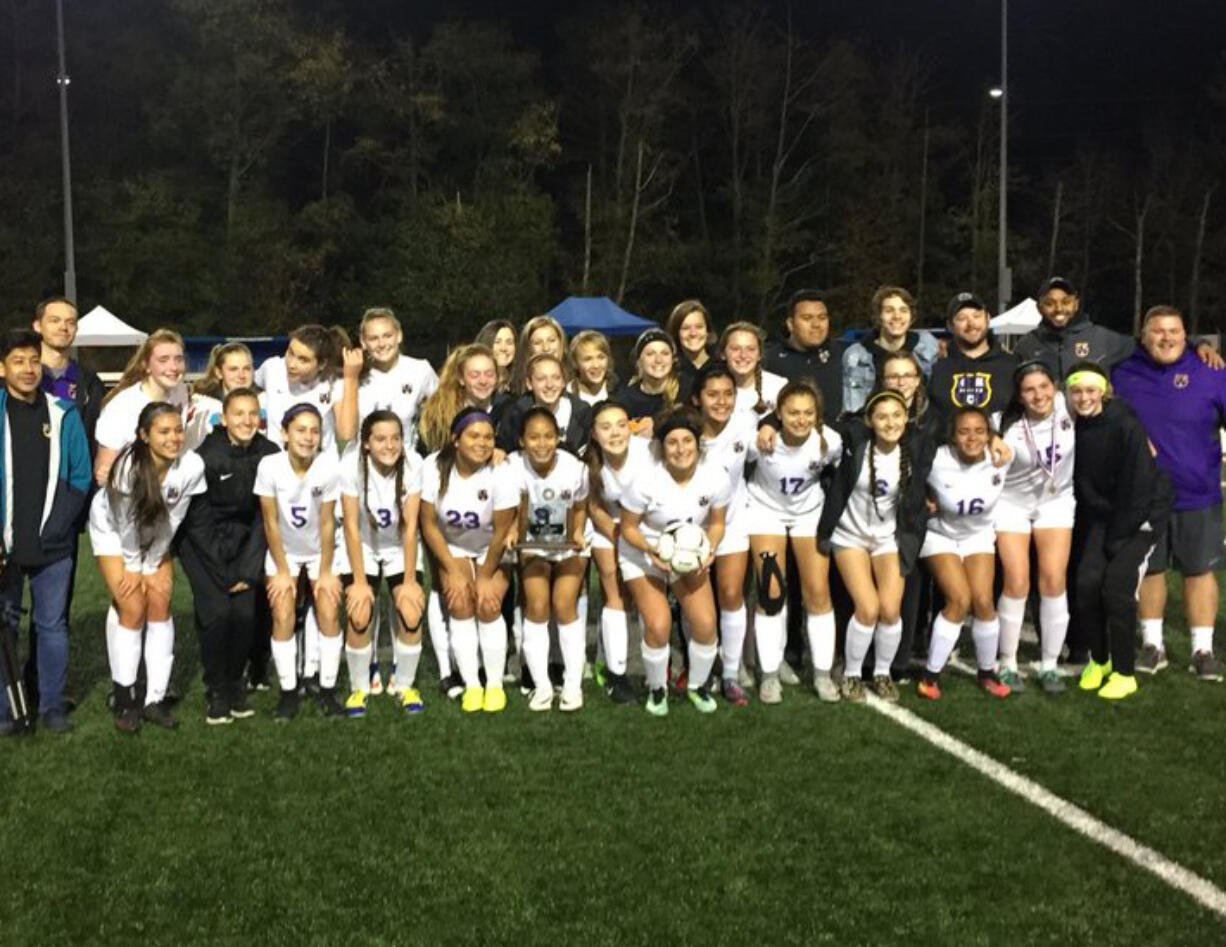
(797, 824)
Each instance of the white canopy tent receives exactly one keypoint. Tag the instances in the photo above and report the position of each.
(99, 327)
(1019, 320)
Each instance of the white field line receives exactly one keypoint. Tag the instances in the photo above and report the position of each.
(1076, 818)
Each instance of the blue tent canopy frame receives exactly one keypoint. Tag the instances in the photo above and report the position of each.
(577, 313)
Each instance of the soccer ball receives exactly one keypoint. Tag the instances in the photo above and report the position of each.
(684, 547)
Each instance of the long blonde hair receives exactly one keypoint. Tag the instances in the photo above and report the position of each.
(450, 397)
(209, 384)
(753, 330)
(671, 389)
(137, 368)
(523, 351)
(597, 339)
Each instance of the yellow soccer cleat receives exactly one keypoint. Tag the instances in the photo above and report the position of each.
(1118, 687)
(495, 700)
(473, 700)
(355, 704)
(1093, 675)
(410, 700)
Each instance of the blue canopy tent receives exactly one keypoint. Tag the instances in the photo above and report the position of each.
(577, 313)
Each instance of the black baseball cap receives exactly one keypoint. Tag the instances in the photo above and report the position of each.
(963, 301)
(1057, 282)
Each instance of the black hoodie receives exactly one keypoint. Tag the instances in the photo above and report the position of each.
(979, 381)
(1079, 340)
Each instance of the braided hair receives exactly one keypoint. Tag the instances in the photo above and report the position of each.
(904, 459)
(136, 465)
(368, 427)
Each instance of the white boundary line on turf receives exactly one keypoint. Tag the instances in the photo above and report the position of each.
(1076, 818)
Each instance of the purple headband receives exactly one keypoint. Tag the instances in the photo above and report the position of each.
(464, 420)
(301, 408)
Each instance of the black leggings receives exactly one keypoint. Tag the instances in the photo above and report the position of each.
(225, 622)
(1104, 593)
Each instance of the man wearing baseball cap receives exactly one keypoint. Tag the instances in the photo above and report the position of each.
(977, 372)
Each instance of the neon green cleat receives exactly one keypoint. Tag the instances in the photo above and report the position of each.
(1118, 687)
(410, 700)
(1093, 675)
(355, 703)
(598, 671)
(657, 702)
(473, 700)
(702, 700)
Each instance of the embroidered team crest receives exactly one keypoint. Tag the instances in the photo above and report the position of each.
(1181, 380)
(172, 494)
(704, 500)
(483, 495)
(971, 389)
(317, 492)
(566, 495)
(815, 466)
(46, 430)
(1081, 349)
(738, 447)
(406, 389)
(72, 391)
(996, 478)
(325, 397)
(1066, 424)
(823, 356)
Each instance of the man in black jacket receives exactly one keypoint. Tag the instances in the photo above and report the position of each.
(807, 351)
(55, 319)
(228, 579)
(977, 372)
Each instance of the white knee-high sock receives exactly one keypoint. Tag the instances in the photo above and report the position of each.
(986, 635)
(439, 639)
(885, 646)
(536, 651)
(407, 657)
(517, 629)
(702, 659)
(310, 644)
(159, 658)
(330, 659)
(859, 637)
(655, 665)
(770, 631)
(113, 656)
(615, 633)
(572, 641)
(732, 626)
(821, 631)
(493, 635)
(1009, 612)
(285, 660)
(944, 637)
(464, 645)
(357, 660)
(376, 625)
(1053, 619)
(125, 659)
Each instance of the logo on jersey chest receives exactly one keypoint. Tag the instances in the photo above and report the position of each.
(1066, 424)
(815, 466)
(172, 494)
(406, 389)
(1181, 380)
(823, 356)
(971, 389)
(996, 478)
(704, 500)
(1081, 349)
(738, 447)
(317, 492)
(325, 397)
(483, 495)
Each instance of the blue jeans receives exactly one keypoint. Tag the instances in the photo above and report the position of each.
(49, 586)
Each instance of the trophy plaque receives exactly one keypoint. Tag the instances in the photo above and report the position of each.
(546, 520)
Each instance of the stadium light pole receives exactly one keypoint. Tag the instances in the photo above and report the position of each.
(1004, 278)
(62, 81)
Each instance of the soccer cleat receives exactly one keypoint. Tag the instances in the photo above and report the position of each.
(929, 688)
(495, 699)
(619, 688)
(240, 708)
(885, 688)
(526, 684)
(127, 720)
(541, 699)
(1011, 679)
(571, 699)
(787, 675)
(1205, 667)
(452, 686)
(733, 693)
(827, 690)
(329, 704)
(158, 714)
(992, 685)
(770, 691)
(657, 702)
(1093, 675)
(287, 707)
(702, 700)
(1151, 659)
(217, 712)
(355, 703)
(853, 689)
(376, 680)
(1050, 682)
(1118, 687)
(473, 700)
(600, 671)
(588, 673)
(410, 700)
(390, 687)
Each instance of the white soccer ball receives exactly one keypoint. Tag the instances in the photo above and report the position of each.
(684, 547)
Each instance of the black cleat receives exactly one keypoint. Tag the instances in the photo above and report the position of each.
(127, 713)
(218, 712)
(452, 686)
(619, 689)
(310, 687)
(159, 715)
(240, 707)
(287, 707)
(328, 703)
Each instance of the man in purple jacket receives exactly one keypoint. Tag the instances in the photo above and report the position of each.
(1182, 404)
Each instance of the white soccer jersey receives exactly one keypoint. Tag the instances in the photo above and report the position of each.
(786, 479)
(117, 423)
(1042, 457)
(561, 488)
(662, 501)
(746, 398)
(729, 450)
(404, 389)
(965, 494)
(613, 483)
(299, 498)
(280, 395)
(466, 511)
(184, 480)
(381, 541)
(861, 517)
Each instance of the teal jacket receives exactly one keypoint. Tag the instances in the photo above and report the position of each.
(69, 477)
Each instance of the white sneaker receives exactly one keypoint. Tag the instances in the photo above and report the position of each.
(541, 699)
(572, 698)
(787, 675)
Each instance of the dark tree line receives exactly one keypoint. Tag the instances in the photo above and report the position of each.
(246, 165)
